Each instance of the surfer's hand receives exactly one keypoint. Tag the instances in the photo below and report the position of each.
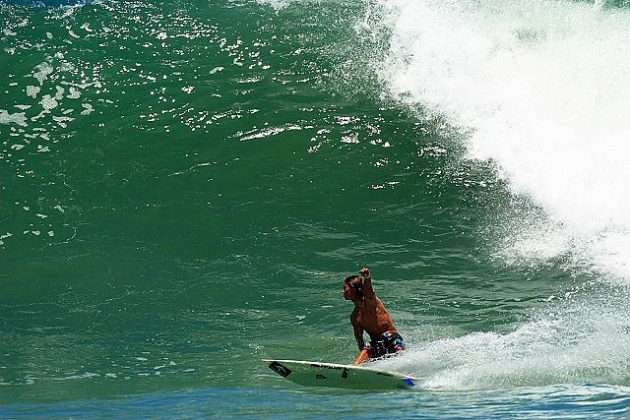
(365, 272)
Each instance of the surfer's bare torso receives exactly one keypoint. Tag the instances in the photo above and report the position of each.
(371, 316)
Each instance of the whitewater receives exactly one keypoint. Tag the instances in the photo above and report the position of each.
(539, 89)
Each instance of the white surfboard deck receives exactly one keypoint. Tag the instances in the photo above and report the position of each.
(339, 376)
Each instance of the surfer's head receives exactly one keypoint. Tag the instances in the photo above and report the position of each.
(353, 288)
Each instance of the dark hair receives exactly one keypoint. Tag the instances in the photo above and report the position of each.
(356, 283)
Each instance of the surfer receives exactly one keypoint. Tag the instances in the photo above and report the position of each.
(370, 315)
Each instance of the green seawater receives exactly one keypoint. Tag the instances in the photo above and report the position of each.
(184, 186)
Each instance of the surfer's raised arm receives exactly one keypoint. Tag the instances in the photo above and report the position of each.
(366, 278)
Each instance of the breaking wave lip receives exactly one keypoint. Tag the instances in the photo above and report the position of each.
(540, 88)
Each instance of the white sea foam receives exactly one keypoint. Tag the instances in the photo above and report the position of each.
(277, 4)
(18, 118)
(541, 88)
(32, 91)
(48, 103)
(87, 109)
(74, 93)
(582, 341)
(42, 71)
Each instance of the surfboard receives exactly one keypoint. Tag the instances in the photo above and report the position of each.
(339, 376)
